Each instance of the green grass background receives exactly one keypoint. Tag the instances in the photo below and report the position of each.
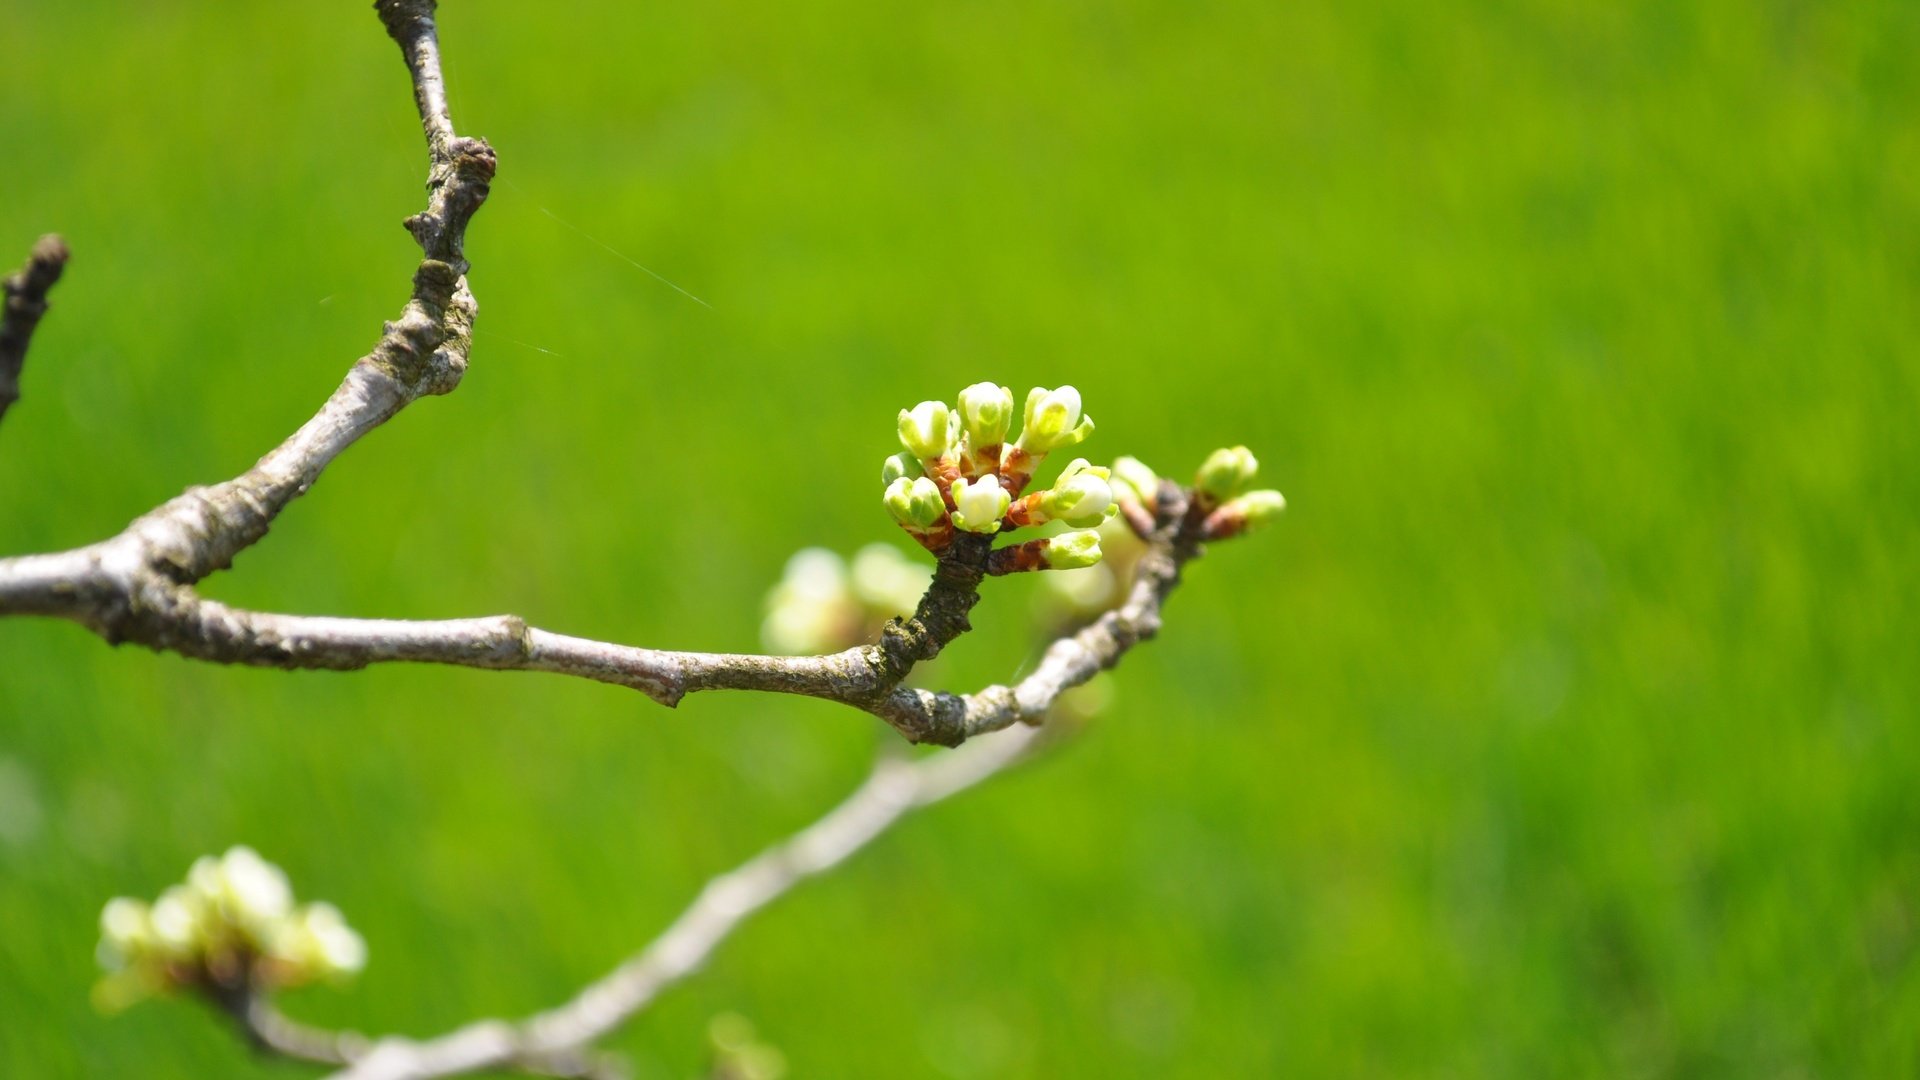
(1564, 727)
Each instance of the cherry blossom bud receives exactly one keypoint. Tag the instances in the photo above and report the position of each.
(1226, 472)
(979, 504)
(899, 465)
(927, 430)
(1073, 550)
(915, 502)
(1133, 480)
(1053, 420)
(1246, 512)
(986, 411)
(1082, 496)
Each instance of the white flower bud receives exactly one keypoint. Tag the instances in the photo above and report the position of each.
(1053, 420)
(926, 430)
(915, 502)
(986, 411)
(1082, 497)
(979, 504)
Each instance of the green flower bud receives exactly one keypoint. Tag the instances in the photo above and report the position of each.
(899, 465)
(1073, 550)
(1260, 507)
(1082, 496)
(986, 411)
(1133, 480)
(1053, 420)
(1227, 472)
(979, 504)
(915, 502)
(926, 430)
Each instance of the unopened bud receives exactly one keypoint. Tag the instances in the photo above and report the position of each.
(1053, 420)
(1073, 550)
(1133, 480)
(899, 465)
(1227, 472)
(1082, 496)
(926, 430)
(986, 411)
(915, 502)
(979, 504)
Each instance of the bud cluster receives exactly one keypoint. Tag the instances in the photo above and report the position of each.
(232, 923)
(959, 473)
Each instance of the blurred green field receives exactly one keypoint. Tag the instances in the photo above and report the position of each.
(1565, 727)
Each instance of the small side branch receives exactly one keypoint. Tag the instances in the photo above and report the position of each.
(552, 1042)
(26, 302)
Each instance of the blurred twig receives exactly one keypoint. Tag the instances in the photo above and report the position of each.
(26, 302)
(894, 788)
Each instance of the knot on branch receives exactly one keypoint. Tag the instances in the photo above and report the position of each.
(426, 349)
(458, 184)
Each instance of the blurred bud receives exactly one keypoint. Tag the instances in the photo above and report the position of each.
(1226, 472)
(231, 925)
(178, 920)
(253, 891)
(1082, 496)
(926, 430)
(126, 931)
(902, 464)
(1260, 507)
(810, 610)
(915, 502)
(1073, 550)
(887, 581)
(322, 943)
(1246, 512)
(979, 504)
(986, 411)
(1053, 420)
(1133, 480)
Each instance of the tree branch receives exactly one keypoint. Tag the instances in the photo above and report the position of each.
(138, 586)
(26, 301)
(558, 1042)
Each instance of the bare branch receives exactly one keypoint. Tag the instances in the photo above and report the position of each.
(552, 1041)
(26, 302)
(138, 586)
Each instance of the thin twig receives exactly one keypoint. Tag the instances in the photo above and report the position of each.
(26, 302)
(895, 788)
